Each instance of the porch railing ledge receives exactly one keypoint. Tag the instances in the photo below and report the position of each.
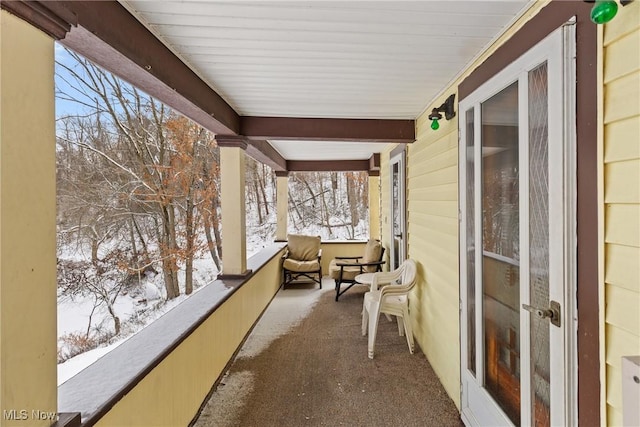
(96, 389)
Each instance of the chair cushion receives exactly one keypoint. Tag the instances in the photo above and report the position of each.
(348, 273)
(301, 266)
(303, 248)
(372, 252)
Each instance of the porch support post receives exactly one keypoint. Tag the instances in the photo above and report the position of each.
(234, 230)
(28, 314)
(282, 204)
(374, 207)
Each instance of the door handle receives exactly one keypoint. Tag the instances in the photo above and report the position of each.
(552, 313)
(398, 235)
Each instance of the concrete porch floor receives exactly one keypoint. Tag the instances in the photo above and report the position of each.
(305, 363)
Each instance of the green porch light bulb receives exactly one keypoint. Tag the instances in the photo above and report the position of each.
(434, 124)
(603, 11)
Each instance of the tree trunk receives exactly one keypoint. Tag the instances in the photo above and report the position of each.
(94, 250)
(143, 242)
(167, 254)
(210, 242)
(326, 214)
(215, 222)
(173, 248)
(134, 248)
(258, 204)
(188, 283)
(116, 319)
(262, 189)
(352, 199)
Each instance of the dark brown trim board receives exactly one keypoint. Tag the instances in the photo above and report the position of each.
(41, 17)
(546, 21)
(68, 419)
(236, 141)
(263, 152)
(327, 165)
(327, 129)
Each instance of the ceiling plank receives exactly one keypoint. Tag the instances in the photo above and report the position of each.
(328, 129)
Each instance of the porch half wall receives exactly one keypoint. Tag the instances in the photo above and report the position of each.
(172, 392)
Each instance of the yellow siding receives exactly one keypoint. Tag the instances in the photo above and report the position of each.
(621, 174)
(621, 266)
(432, 182)
(622, 227)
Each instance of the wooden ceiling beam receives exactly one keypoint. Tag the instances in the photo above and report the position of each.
(328, 129)
(263, 152)
(327, 165)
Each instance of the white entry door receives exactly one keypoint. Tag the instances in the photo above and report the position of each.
(516, 238)
(398, 215)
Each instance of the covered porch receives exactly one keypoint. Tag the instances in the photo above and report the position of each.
(298, 87)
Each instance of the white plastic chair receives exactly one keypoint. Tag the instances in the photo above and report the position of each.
(391, 299)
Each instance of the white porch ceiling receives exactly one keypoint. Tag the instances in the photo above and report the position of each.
(349, 59)
(329, 150)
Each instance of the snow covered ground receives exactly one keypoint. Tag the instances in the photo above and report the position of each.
(135, 310)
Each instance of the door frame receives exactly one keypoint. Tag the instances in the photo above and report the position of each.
(399, 156)
(561, 126)
(587, 370)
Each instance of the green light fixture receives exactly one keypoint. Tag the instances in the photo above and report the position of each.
(434, 117)
(446, 108)
(604, 11)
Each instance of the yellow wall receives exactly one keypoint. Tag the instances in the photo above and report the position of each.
(432, 182)
(27, 223)
(172, 393)
(621, 170)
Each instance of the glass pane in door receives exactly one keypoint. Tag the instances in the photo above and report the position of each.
(500, 250)
(539, 242)
(471, 243)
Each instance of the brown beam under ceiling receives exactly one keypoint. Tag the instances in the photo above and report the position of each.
(326, 129)
(107, 34)
(263, 152)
